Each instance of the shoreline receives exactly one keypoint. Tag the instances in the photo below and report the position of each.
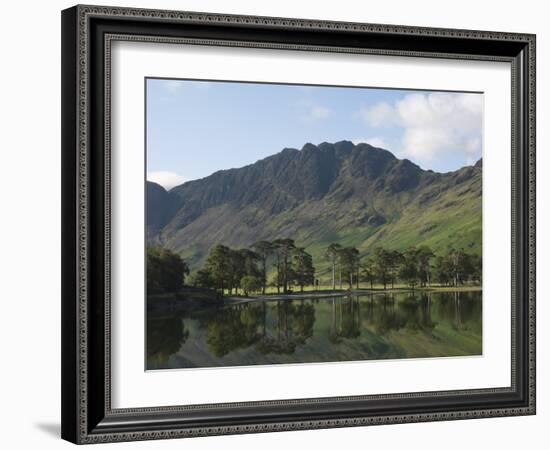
(345, 293)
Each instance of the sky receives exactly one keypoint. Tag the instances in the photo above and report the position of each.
(195, 128)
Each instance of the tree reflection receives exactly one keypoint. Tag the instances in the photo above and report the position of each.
(416, 313)
(461, 309)
(242, 326)
(345, 319)
(361, 327)
(383, 315)
(232, 328)
(335, 335)
(165, 336)
(303, 321)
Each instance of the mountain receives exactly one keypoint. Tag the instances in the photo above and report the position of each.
(356, 195)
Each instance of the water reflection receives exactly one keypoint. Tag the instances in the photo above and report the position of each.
(165, 336)
(241, 326)
(374, 326)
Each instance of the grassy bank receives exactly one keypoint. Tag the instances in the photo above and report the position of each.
(329, 293)
(365, 287)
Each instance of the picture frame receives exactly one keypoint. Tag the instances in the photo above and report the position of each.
(87, 413)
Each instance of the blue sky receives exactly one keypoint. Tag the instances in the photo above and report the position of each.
(195, 128)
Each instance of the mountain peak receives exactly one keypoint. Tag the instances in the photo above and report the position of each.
(309, 147)
(344, 148)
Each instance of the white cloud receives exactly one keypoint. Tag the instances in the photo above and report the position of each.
(473, 146)
(319, 112)
(166, 179)
(310, 111)
(380, 115)
(434, 125)
(375, 141)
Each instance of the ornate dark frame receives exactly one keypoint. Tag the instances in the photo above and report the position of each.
(87, 32)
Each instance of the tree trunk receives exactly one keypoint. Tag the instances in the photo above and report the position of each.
(278, 279)
(285, 272)
(333, 275)
(265, 276)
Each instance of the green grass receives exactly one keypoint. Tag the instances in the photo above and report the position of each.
(398, 287)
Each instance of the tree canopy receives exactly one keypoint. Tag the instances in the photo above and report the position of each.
(246, 270)
(166, 270)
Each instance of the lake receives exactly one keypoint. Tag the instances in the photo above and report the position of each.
(356, 327)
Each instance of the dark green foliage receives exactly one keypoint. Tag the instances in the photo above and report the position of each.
(165, 270)
(250, 284)
(229, 269)
(283, 249)
(219, 266)
(393, 260)
(458, 267)
(349, 262)
(384, 261)
(303, 272)
(225, 268)
(368, 270)
(263, 249)
(443, 270)
(203, 279)
(249, 261)
(477, 268)
(424, 256)
(409, 267)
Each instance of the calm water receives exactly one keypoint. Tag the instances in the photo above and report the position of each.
(362, 327)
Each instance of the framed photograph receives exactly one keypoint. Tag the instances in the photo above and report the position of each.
(278, 224)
